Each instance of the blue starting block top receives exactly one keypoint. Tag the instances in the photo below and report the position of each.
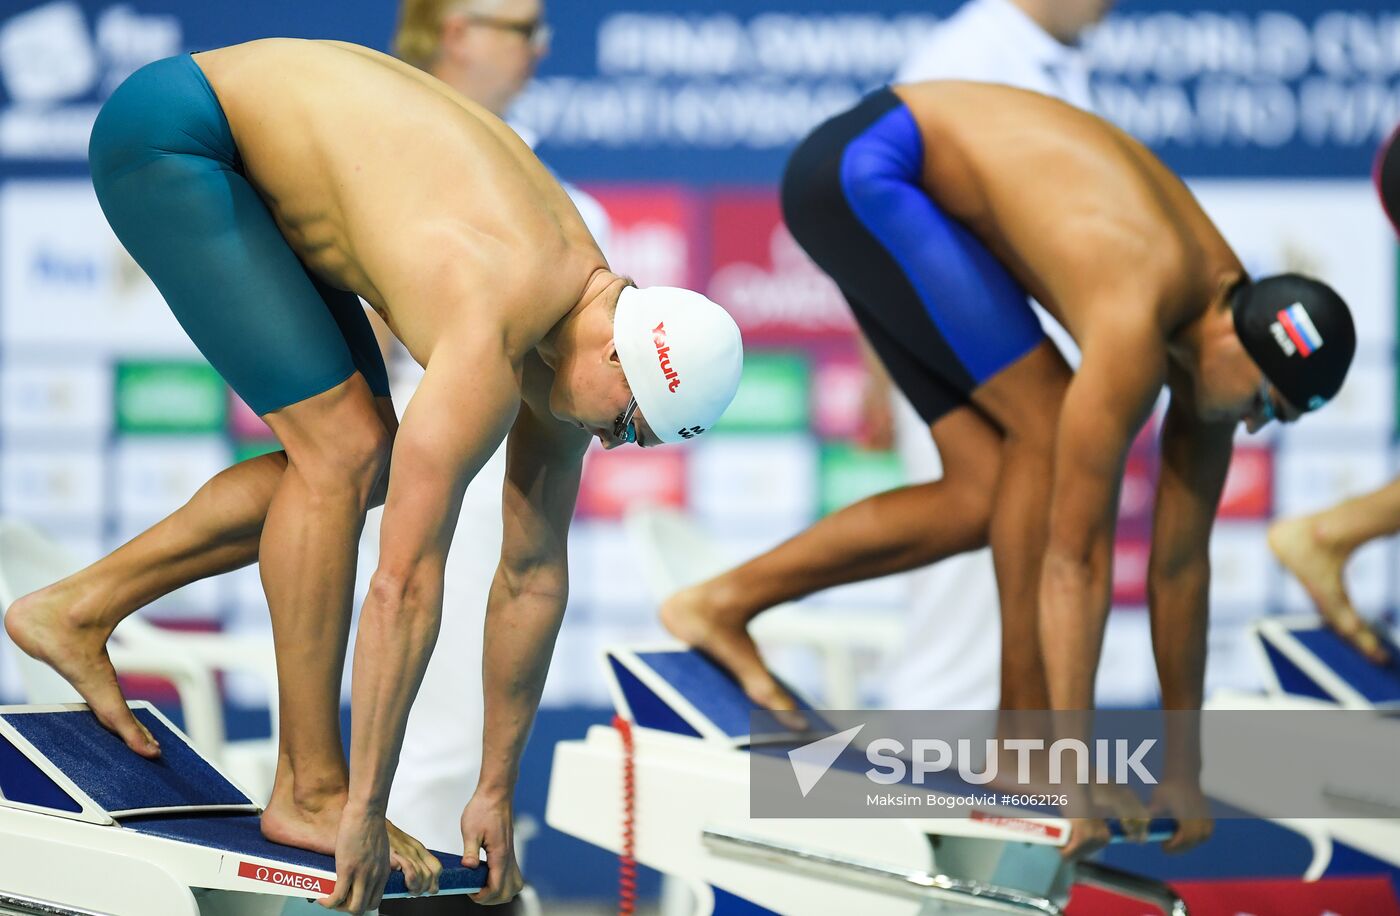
(1308, 659)
(117, 780)
(684, 692)
(59, 760)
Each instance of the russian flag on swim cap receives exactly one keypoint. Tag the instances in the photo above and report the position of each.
(1300, 329)
(1282, 321)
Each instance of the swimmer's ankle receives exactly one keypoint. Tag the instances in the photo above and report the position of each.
(1326, 536)
(730, 604)
(314, 796)
(67, 604)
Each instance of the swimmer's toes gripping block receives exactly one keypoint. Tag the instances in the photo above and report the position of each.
(66, 780)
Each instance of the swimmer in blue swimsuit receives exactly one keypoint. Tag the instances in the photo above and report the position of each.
(938, 209)
(265, 189)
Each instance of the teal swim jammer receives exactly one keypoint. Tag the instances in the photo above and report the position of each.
(171, 183)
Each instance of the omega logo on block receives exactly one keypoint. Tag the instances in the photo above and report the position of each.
(285, 878)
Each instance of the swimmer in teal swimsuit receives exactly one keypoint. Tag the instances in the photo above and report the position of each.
(265, 188)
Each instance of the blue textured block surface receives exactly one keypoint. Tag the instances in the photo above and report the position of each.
(709, 688)
(241, 835)
(648, 710)
(1379, 684)
(22, 781)
(117, 778)
(1292, 679)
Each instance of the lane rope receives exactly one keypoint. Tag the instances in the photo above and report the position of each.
(626, 859)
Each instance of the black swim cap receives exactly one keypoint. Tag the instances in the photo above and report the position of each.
(1299, 332)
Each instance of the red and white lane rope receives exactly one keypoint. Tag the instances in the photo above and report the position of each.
(626, 860)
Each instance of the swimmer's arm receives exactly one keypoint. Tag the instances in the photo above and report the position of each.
(544, 460)
(1195, 459)
(455, 421)
(1108, 400)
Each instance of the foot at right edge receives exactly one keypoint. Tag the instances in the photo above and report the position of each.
(691, 617)
(1318, 567)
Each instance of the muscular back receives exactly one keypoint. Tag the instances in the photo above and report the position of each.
(388, 183)
(1083, 215)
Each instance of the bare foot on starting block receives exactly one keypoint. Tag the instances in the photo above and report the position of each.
(54, 626)
(1317, 564)
(694, 617)
(313, 822)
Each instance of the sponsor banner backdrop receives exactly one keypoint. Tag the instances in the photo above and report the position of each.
(66, 284)
(720, 91)
(653, 232)
(59, 399)
(775, 292)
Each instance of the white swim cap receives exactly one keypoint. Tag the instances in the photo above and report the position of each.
(681, 354)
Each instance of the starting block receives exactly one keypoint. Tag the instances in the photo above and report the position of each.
(1308, 667)
(88, 827)
(691, 818)
(1303, 658)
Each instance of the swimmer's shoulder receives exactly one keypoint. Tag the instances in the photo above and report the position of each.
(459, 284)
(320, 62)
(975, 100)
(289, 64)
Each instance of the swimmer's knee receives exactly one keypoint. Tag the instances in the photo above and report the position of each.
(1023, 399)
(361, 454)
(972, 486)
(976, 503)
(974, 470)
(1034, 433)
(1032, 420)
(351, 456)
(339, 434)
